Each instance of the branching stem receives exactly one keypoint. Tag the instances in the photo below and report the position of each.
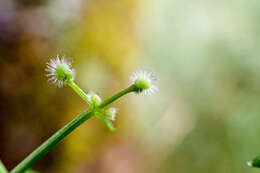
(67, 129)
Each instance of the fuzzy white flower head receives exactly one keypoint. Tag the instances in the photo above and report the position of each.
(144, 82)
(93, 98)
(60, 71)
(111, 113)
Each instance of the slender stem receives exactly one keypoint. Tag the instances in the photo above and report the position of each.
(2, 168)
(79, 91)
(67, 129)
(116, 96)
(51, 142)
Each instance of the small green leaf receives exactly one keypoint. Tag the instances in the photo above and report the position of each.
(107, 122)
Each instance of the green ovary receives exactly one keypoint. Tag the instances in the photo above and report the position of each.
(63, 73)
(142, 83)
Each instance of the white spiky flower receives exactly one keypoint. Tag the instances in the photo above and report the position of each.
(60, 71)
(111, 113)
(144, 82)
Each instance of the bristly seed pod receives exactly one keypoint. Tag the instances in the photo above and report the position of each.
(144, 82)
(60, 71)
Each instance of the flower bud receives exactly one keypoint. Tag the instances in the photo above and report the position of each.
(93, 98)
(111, 113)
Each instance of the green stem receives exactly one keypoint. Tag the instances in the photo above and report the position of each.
(116, 96)
(2, 168)
(79, 91)
(51, 142)
(67, 129)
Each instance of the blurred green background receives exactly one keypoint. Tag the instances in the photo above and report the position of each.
(205, 118)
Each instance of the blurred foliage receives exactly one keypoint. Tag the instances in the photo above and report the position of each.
(205, 53)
